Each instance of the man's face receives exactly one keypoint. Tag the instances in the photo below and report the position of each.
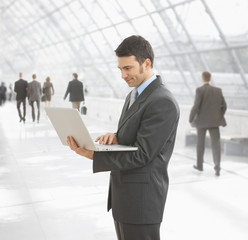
(20, 75)
(132, 72)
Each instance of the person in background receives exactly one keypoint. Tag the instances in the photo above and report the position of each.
(76, 90)
(149, 119)
(86, 90)
(34, 95)
(207, 114)
(10, 92)
(48, 91)
(3, 91)
(21, 93)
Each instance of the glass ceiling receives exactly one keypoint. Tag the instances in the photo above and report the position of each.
(57, 38)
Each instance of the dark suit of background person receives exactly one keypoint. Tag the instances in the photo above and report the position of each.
(76, 90)
(139, 180)
(34, 95)
(21, 93)
(208, 114)
(3, 91)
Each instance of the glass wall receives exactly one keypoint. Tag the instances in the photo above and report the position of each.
(57, 38)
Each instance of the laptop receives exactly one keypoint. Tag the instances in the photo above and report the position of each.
(68, 122)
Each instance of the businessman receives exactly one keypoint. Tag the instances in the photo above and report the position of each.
(34, 95)
(3, 91)
(21, 93)
(76, 90)
(149, 119)
(207, 114)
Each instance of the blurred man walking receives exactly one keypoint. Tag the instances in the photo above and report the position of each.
(208, 114)
(34, 95)
(21, 94)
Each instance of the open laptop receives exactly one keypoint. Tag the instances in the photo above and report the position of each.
(68, 122)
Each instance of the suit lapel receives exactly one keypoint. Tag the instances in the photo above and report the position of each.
(127, 113)
(125, 108)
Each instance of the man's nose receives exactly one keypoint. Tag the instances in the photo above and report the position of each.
(123, 74)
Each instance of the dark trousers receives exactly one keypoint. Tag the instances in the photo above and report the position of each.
(215, 145)
(33, 111)
(137, 231)
(2, 98)
(18, 104)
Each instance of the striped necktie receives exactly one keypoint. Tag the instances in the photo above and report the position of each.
(133, 97)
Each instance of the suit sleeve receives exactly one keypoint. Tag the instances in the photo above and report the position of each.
(40, 88)
(15, 87)
(197, 103)
(28, 91)
(83, 91)
(157, 126)
(223, 104)
(67, 91)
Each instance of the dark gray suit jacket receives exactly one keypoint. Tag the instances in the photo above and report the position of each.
(209, 108)
(76, 91)
(21, 89)
(34, 91)
(139, 180)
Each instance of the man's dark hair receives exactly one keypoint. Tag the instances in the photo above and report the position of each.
(206, 76)
(75, 75)
(136, 46)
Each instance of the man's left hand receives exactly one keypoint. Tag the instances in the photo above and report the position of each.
(79, 150)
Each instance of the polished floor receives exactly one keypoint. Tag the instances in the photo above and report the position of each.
(49, 193)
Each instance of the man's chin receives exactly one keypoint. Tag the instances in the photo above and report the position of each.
(130, 84)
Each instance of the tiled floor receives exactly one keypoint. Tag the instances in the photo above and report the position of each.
(49, 193)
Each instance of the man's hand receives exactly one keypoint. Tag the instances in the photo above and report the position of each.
(109, 138)
(79, 150)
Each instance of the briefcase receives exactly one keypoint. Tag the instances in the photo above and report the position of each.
(83, 110)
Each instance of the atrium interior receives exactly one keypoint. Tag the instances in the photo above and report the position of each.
(50, 193)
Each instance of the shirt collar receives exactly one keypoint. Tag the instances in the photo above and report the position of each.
(144, 85)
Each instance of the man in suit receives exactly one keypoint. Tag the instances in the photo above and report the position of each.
(3, 91)
(76, 90)
(34, 95)
(149, 119)
(208, 114)
(21, 93)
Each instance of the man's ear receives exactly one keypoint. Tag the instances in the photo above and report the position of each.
(148, 63)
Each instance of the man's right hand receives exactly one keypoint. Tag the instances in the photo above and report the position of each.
(109, 138)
